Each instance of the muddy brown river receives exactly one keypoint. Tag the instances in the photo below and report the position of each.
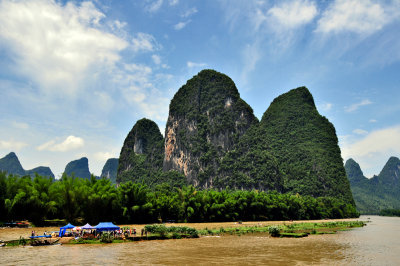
(378, 243)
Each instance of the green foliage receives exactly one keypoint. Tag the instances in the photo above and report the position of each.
(274, 231)
(142, 154)
(175, 231)
(98, 200)
(207, 116)
(106, 237)
(390, 212)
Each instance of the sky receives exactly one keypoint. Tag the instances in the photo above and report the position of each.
(75, 76)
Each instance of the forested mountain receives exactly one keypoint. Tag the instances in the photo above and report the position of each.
(142, 153)
(378, 193)
(110, 170)
(213, 138)
(11, 164)
(78, 168)
(206, 118)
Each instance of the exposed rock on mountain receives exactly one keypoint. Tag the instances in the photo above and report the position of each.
(142, 153)
(78, 168)
(206, 118)
(214, 139)
(110, 170)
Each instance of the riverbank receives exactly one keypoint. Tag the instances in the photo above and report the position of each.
(177, 231)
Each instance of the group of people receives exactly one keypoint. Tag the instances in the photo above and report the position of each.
(44, 234)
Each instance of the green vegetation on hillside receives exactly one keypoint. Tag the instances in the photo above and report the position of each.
(94, 200)
(142, 154)
(378, 193)
(206, 118)
(390, 212)
(214, 139)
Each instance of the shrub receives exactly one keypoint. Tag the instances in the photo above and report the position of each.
(274, 230)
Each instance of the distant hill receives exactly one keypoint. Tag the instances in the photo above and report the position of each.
(11, 164)
(78, 168)
(110, 170)
(378, 193)
(41, 170)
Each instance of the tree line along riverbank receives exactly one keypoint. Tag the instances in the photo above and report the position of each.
(83, 200)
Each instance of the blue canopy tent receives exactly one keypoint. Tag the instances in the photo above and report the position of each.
(108, 226)
(64, 228)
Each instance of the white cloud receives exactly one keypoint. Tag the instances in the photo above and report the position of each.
(144, 42)
(54, 45)
(326, 106)
(251, 54)
(291, 15)
(20, 125)
(154, 6)
(189, 12)
(192, 64)
(373, 121)
(355, 106)
(70, 143)
(12, 145)
(173, 2)
(181, 25)
(156, 59)
(359, 131)
(359, 16)
(373, 149)
(104, 156)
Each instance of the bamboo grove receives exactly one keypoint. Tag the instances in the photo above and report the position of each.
(93, 200)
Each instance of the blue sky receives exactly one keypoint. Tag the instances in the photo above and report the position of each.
(76, 76)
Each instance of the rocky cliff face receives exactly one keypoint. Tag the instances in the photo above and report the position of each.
(206, 119)
(214, 139)
(110, 170)
(142, 153)
(78, 168)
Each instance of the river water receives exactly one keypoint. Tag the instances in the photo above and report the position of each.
(378, 243)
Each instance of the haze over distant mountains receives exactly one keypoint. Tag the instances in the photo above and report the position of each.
(11, 164)
(380, 192)
(79, 168)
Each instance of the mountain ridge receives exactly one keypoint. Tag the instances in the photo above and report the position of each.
(377, 193)
(11, 164)
(214, 139)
